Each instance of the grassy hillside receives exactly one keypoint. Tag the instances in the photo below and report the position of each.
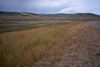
(22, 48)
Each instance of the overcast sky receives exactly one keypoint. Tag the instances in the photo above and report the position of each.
(51, 6)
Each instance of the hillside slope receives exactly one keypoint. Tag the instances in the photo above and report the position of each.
(22, 16)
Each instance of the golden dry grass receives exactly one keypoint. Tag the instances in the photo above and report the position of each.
(22, 48)
(77, 48)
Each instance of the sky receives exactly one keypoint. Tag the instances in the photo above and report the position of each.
(51, 6)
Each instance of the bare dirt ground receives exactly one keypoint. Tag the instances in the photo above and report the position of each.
(80, 47)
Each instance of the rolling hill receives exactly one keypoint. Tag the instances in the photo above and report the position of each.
(32, 16)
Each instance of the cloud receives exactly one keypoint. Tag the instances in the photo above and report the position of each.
(50, 3)
(69, 6)
(51, 6)
(75, 6)
(82, 6)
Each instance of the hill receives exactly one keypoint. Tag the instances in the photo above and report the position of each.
(33, 16)
(16, 13)
(73, 16)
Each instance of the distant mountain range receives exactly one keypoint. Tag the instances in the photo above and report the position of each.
(30, 16)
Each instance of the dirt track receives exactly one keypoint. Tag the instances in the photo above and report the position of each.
(80, 47)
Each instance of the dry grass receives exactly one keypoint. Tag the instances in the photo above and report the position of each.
(21, 49)
(75, 49)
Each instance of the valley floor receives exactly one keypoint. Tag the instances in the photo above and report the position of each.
(80, 47)
(71, 45)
